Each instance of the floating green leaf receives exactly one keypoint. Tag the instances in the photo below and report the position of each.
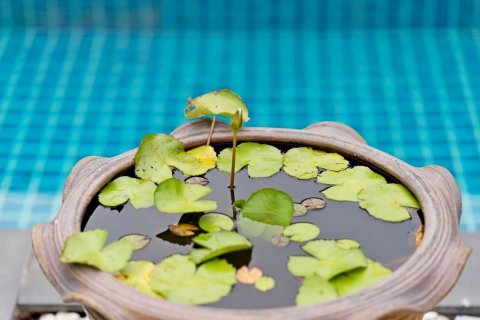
(314, 290)
(174, 196)
(217, 243)
(385, 201)
(270, 206)
(262, 160)
(265, 283)
(215, 222)
(349, 182)
(138, 241)
(136, 274)
(206, 155)
(301, 232)
(356, 280)
(222, 102)
(117, 192)
(158, 153)
(88, 248)
(177, 279)
(255, 229)
(303, 162)
(329, 259)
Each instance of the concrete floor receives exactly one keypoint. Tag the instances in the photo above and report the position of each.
(25, 290)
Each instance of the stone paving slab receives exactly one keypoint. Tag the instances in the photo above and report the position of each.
(16, 255)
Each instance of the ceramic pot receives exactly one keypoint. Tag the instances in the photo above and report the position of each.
(414, 288)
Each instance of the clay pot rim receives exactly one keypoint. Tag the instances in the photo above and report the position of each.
(409, 288)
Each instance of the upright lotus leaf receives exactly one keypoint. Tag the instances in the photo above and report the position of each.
(217, 243)
(174, 196)
(254, 229)
(88, 248)
(223, 102)
(178, 280)
(214, 221)
(159, 153)
(117, 192)
(206, 155)
(301, 232)
(303, 162)
(385, 201)
(349, 182)
(263, 160)
(356, 280)
(314, 290)
(136, 274)
(329, 259)
(270, 206)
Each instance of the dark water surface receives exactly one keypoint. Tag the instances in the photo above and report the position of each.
(389, 243)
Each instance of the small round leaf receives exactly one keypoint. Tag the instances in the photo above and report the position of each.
(215, 222)
(301, 232)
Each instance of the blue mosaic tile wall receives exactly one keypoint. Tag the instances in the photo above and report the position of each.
(91, 77)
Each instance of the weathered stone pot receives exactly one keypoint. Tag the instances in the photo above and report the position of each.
(420, 283)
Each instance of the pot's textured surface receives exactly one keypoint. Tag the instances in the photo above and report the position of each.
(425, 278)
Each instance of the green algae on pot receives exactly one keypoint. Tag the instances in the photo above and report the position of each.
(401, 294)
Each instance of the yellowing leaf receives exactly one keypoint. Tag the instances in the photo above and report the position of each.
(313, 203)
(385, 201)
(270, 206)
(349, 182)
(183, 229)
(174, 196)
(314, 290)
(262, 160)
(265, 283)
(303, 162)
(117, 192)
(222, 102)
(249, 276)
(138, 241)
(177, 279)
(88, 248)
(217, 243)
(206, 155)
(301, 232)
(136, 274)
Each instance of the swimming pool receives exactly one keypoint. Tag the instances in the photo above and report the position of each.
(82, 78)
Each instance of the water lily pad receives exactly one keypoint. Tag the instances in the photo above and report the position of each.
(117, 192)
(270, 206)
(262, 160)
(328, 260)
(206, 155)
(88, 248)
(215, 222)
(247, 275)
(174, 196)
(313, 203)
(265, 283)
(314, 290)
(136, 274)
(223, 102)
(303, 162)
(299, 210)
(197, 180)
(356, 280)
(138, 241)
(183, 229)
(349, 182)
(254, 229)
(217, 243)
(279, 240)
(178, 279)
(301, 232)
(386, 201)
(159, 153)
